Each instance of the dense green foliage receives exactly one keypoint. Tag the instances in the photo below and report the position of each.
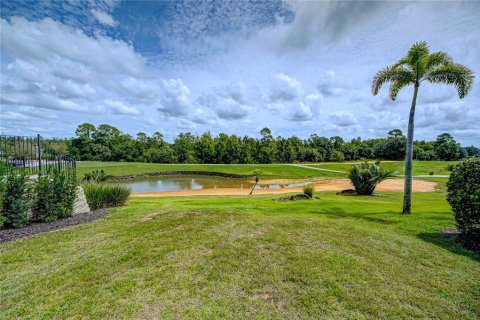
(247, 258)
(15, 200)
(464, 197)
(365, 177)
(107, 143)
(55, 195)
(308, 190)
(96, 176)
(103, 195)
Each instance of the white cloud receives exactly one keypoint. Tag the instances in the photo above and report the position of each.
(104, 18)
(176, 98)
(119, 107)
(343, 119)
(48, 40)
(284, 88)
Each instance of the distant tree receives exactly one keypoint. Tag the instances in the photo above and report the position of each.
(446, 148)
(417, 66)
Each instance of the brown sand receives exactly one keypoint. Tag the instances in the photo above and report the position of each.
(393, 185)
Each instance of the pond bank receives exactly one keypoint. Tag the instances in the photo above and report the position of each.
(176, 172)
(392, 185)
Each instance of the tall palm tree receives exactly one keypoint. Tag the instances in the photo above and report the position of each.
(417, 66)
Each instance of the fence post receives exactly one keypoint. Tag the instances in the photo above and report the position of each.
(39, 155)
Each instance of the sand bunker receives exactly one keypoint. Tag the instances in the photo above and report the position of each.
(392, 185)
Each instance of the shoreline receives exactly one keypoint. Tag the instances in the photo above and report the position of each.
(391, 185)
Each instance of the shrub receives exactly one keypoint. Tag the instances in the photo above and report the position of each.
(463, 188)
(104, 195)
(450, 167)
(366, 176)
(308, 190)
(56, 193)
(337, 156)
(431, 173)
(16, 200)
(3, 221)
(96, 176)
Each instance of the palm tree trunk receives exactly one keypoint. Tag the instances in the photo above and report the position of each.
(407, 194)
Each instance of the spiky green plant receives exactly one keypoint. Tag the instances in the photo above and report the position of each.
(96, 176)
(365, 177)
(417, 66)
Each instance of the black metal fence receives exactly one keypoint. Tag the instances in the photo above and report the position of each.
(33, 155)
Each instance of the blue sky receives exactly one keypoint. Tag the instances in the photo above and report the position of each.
(229, 66)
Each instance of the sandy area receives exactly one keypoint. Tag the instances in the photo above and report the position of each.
(330, 185)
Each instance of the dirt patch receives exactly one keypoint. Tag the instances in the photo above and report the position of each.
(391, 185)
(41, 227)
(150, 216)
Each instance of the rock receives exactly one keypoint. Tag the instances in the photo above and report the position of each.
(347, 192)
(81, 204)
(300, 196)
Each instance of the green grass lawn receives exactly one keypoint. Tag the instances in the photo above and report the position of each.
(269, 171)
(247, 257)
(419, 167)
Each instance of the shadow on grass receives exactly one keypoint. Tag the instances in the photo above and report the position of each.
(449, 244)
(339, 213)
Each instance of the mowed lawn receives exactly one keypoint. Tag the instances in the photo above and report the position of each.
(268, 171)
(247, 257)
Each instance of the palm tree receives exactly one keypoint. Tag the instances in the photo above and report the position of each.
(420, 65)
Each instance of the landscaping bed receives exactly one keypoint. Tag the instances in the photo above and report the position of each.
(40, 227)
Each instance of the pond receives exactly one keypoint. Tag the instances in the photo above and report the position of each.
(197, 182)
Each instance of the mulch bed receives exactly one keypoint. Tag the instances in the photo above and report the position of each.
(40, 227)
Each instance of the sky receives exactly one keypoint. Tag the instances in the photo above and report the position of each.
(298, 68)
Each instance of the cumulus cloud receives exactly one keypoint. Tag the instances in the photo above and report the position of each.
(119, 107)
(284, 88)
(343, 119)
(47, 40)
(176, 98)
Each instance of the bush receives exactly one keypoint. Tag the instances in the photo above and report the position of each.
(3, 221)
(366, 176)
(431, 173)
(308, 190)
(16, 201)
(56, 194)
(463, 188)
(337, 156)
(450, 167)
(104, 195)
(96, 176)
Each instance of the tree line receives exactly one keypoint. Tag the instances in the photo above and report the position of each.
(107, 143)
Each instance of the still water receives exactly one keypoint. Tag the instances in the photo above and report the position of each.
(191, 182)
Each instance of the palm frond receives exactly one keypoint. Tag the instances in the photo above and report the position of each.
(461, 77)
(437, 59)
(416, 57)
(396, 86)
(417, 52)
(391, 74)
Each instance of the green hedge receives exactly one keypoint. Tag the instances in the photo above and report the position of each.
(103, 195)
(55, 195)
(464, 197)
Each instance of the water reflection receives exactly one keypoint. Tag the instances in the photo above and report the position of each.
(182, 182)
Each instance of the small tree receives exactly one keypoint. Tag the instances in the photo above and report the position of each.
(366, 176)
(464, 198)
(257, 173)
